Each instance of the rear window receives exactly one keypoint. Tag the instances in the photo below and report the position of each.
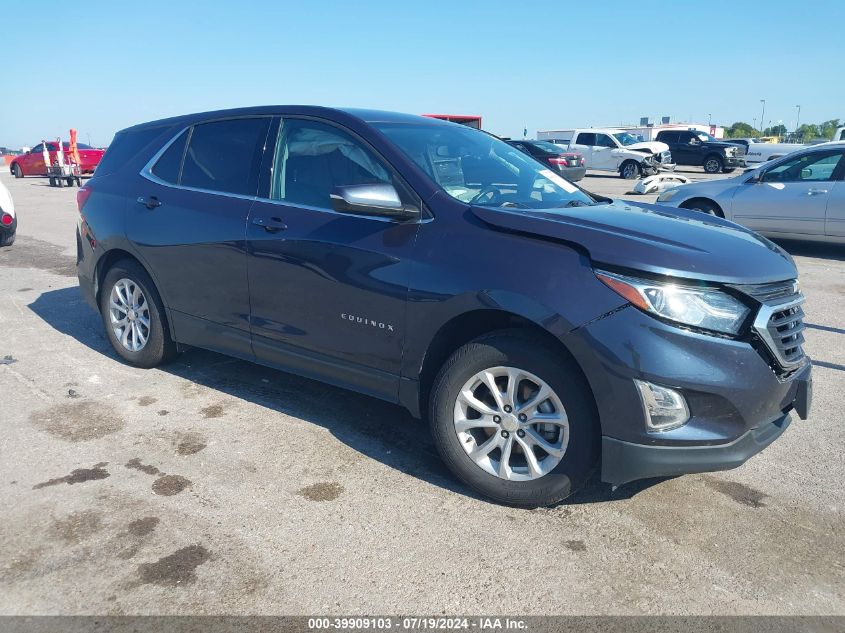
(546, 146)
(124, 147)
(224, 155)
(170, 164)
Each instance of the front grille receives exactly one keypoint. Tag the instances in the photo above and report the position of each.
(780, 322)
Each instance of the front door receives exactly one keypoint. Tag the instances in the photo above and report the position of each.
(605, 154)
(328, 289)
(790, 197)
(186, 217)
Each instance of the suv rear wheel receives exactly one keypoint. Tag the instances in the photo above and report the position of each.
(133, 316)
(713, 164)
(515, 421)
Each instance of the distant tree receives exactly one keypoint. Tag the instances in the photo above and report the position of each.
(828, 128)
(775, 130)
(741, 129)
(808, 132)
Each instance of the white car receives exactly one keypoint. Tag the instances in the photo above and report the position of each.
(607, 149)
(757, 152)
(8, 219)
(798, 196)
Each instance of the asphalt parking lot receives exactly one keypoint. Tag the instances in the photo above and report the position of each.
(212, 485)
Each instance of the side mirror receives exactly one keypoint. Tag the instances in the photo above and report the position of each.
(380, 200)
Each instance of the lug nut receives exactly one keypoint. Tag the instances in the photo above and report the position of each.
(522, 417)
(505, 434)
(497, 419)
(508, 408)
(520, 433)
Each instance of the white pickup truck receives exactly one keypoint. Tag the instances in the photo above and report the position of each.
(608, 149)
(758, 152)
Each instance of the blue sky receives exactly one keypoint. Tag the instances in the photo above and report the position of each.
(535, 64)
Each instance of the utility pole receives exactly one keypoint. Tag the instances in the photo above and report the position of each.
(709, 120)
(797, 119)
(763, 114)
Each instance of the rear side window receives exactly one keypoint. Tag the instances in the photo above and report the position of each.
(169, 165)
(126, 146)
(586, 138)
(224, 155)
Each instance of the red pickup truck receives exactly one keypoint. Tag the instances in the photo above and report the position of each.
(32, 163)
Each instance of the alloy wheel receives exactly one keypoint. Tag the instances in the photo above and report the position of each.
(511, 424)
(129, 315)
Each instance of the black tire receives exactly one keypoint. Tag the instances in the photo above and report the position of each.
(69, 181)
(17, 171)
(7, 239)
(159, 347)
(52, 181)
(630, 170)
(713, 164)
(704, 206)
(514, 348)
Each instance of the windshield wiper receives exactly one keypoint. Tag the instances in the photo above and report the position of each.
(577, 203)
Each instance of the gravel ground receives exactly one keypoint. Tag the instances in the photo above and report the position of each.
(216, 486)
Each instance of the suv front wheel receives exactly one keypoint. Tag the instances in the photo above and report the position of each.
(514, 420)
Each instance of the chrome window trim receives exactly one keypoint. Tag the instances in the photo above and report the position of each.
(147, 173)
(761, 327)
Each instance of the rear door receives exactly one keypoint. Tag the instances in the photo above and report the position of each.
(791, 198)
(835, 220)
(328, 289)
(585, 142)
(187, 219)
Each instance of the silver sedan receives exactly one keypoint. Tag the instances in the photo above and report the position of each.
(799, 196)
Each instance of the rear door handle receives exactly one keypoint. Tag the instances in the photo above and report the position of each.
(816, 192)
(271, 225)
(151, 203)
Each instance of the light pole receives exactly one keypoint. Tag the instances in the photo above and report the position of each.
(797, 119)
(763, 114)
(709, 120)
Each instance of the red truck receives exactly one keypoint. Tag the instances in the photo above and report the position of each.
(32, 162)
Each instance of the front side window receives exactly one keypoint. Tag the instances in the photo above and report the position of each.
(224, 155)
(313, 158)
(603, 140)
(38, 148)
(477, 168)
(806, 168)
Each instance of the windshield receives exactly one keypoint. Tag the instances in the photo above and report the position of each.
(626, 139)
(477, 168)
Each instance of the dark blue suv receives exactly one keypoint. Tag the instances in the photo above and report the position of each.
(544, 331)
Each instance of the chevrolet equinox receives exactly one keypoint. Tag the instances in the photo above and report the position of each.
(545, 332)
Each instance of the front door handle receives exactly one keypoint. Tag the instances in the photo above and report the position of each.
(151, 203)
(816, 192)
(271, 225)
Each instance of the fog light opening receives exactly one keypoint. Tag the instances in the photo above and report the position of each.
(664, 408)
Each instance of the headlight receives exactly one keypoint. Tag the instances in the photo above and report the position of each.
(705, 308)
(668, 194)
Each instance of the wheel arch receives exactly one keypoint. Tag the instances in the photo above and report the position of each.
(108, 260)
(465, 327)
(687, 204)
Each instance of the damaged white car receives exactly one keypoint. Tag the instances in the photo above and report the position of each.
(619, 151)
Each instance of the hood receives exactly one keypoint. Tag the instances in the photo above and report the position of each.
(655, 239)
(655, 147)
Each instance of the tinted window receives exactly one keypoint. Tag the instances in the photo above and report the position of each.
(169, 165)
(313, 158)
(806, 168)
(668, 137)
(603, 140)
(125, 146)
(38, 148)
(586, 138)
(224, 155)
(547, 147)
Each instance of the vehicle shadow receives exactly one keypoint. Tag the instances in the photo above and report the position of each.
(380, 430)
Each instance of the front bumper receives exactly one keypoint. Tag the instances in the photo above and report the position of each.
(624, 461)
(732, 162)
(738, 404)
